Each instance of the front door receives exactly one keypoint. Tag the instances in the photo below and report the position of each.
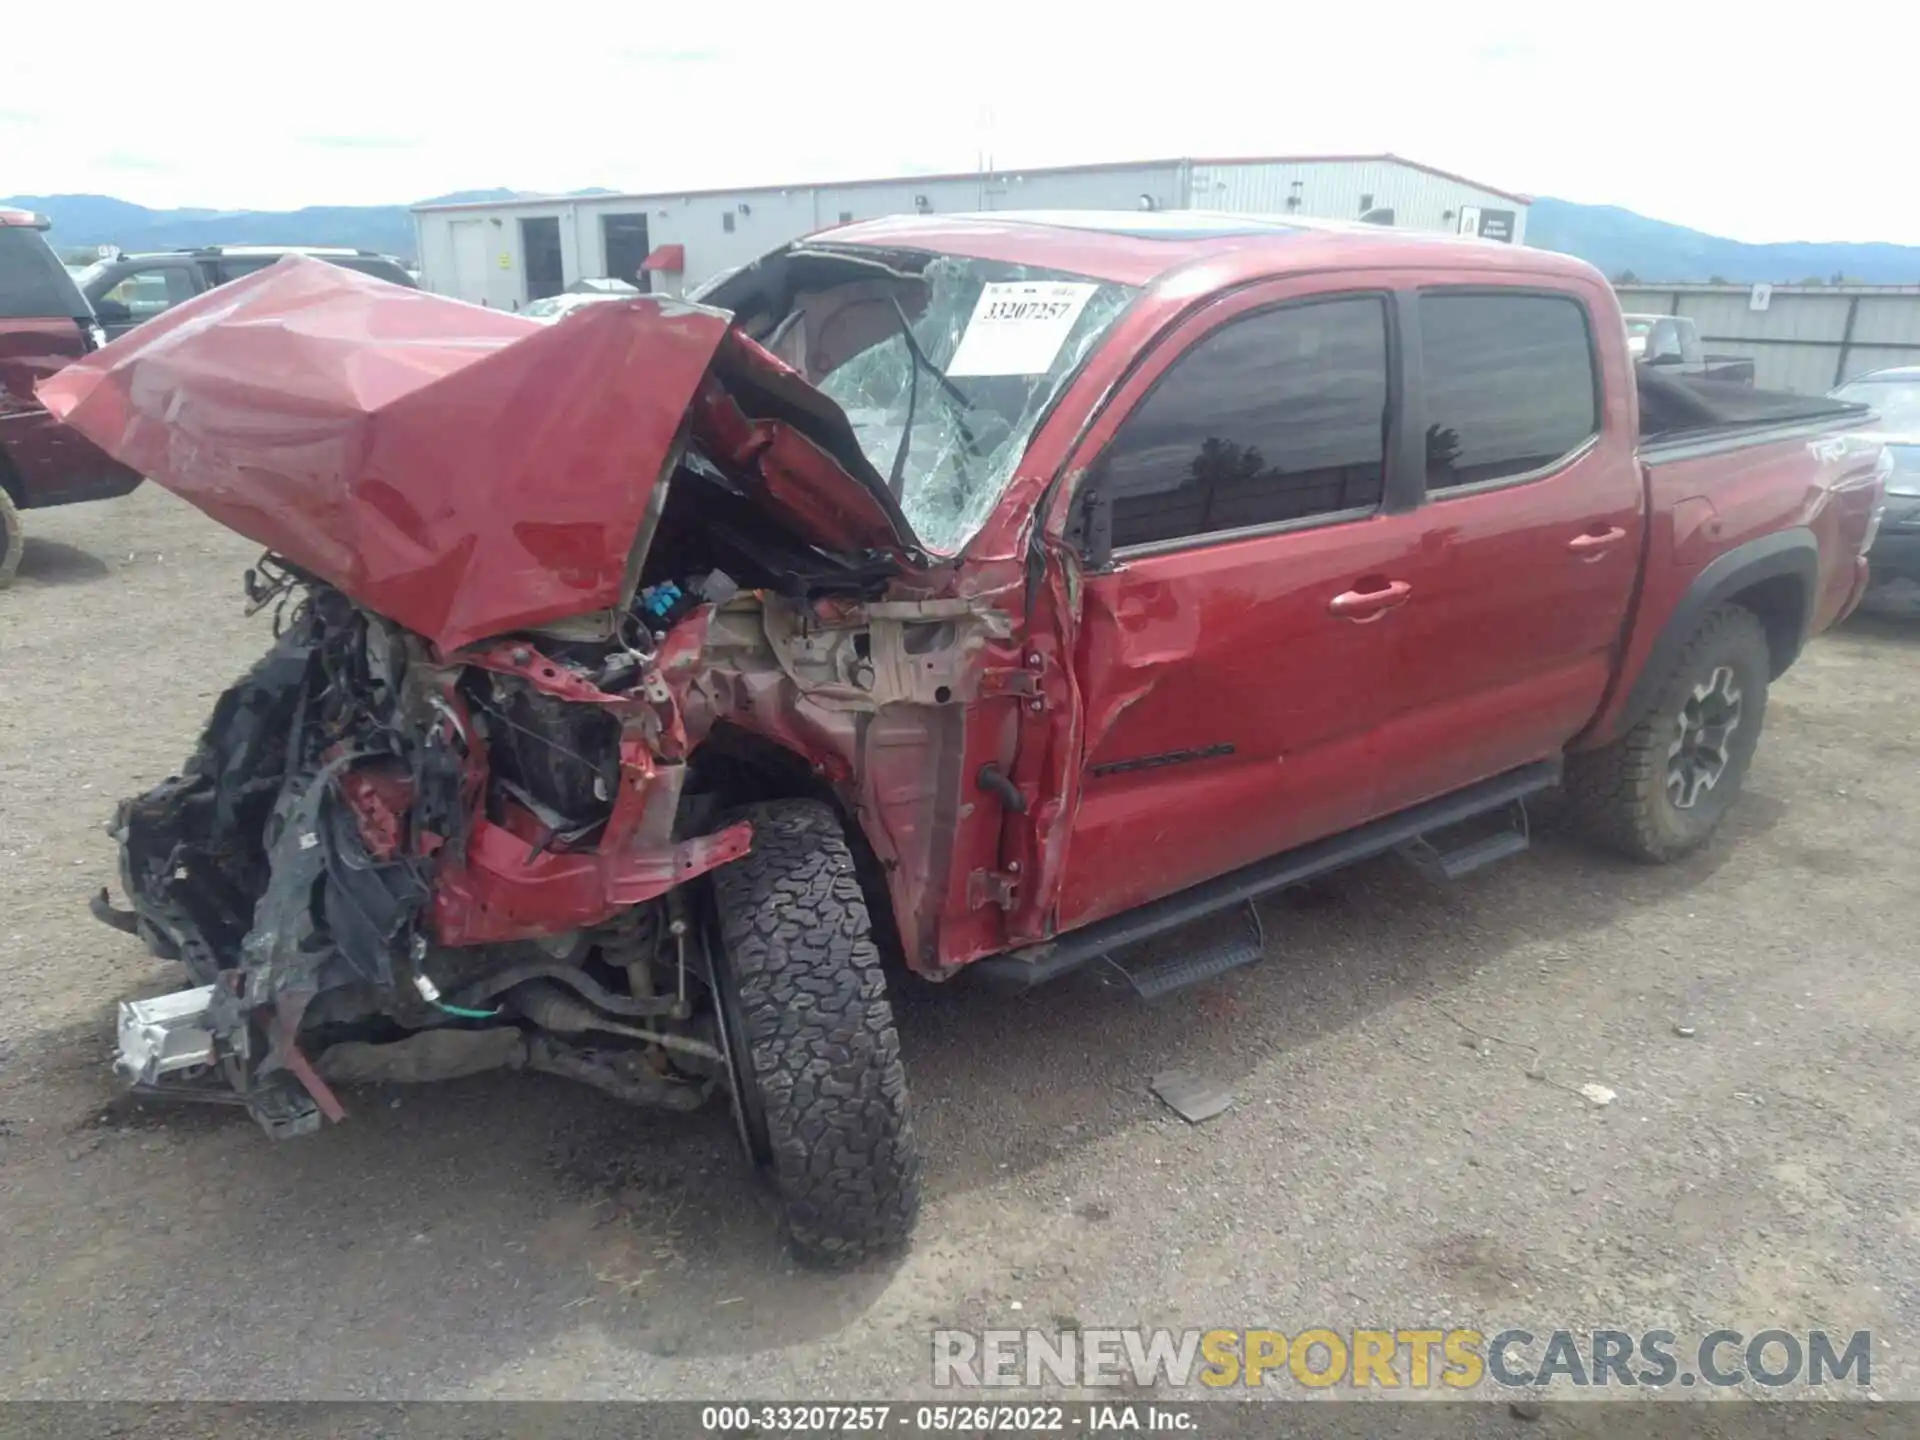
(1234, 657)
(140, 294)
(1534, 522)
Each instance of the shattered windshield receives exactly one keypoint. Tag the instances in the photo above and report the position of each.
(945, 374)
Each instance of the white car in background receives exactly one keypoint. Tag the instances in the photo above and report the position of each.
(588, 292)
(1895, 397)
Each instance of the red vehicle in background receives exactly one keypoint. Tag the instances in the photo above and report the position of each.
(45, 324)
(989, 594)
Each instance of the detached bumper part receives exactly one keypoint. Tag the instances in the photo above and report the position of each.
(166, 1042)
(102, 909)
(163, 1036)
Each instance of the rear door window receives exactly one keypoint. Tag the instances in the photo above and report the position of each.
(232, 267)
(1510, 384)
(1275, 417)
(34, 285)
(379, 268)
(152, 290)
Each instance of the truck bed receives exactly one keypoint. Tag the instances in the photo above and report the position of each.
(1677, 409)
(1761, 484)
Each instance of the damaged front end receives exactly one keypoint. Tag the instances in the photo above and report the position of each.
(382, 864)
(558, 604)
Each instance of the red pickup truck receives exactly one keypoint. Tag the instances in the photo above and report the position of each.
(978, 594)
(45, 323)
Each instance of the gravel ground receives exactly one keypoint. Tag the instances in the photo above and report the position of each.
(1408, 1145)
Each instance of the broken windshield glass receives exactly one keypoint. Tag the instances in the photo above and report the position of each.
(1001, 340)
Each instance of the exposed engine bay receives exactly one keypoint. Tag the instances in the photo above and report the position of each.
(382, 863)
(362, 862)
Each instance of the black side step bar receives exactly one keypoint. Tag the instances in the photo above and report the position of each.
(1450, 854)
(1022, 969)
(1222, 941)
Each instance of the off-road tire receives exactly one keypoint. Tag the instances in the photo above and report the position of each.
(13, 535)
(1618, 795)
(820, 1089)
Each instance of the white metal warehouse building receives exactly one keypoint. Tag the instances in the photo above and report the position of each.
(1808, 338)
(505, 253)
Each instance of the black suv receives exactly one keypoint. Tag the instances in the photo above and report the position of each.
(44, 325)
(130, 288)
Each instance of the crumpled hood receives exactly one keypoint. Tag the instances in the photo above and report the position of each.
(460, 470)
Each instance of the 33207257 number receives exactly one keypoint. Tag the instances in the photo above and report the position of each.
(806, 1419)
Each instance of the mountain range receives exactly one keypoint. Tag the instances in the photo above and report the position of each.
(1624, 244)
(1619, 242)
(84, 222)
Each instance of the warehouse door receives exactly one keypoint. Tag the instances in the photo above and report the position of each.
(540, 249)
(470, 260)
(624, 238)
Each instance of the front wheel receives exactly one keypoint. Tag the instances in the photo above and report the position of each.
(1660, 790)
(819, 1089)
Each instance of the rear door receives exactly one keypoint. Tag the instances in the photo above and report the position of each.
(1233, 658)
(1533, 523)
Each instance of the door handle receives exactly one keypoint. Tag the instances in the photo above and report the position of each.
(1592, 546)
(1361, 606)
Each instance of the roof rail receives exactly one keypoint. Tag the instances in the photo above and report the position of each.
(271, 250)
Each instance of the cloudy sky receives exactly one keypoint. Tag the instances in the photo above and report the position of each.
(1804, 131)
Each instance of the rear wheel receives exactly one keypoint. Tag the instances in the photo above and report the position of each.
(1660, 790)
(820, 1093)
(13, 536)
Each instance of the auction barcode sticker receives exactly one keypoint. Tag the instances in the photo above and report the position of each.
(1019, 326)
